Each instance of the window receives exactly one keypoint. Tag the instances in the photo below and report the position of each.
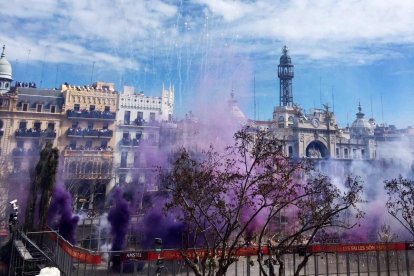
(51, 126)
(152, 116)
(104, 144)
(136, 160)
(290, 120)
(362, 153)
(37, 125)
(125, 135)
(91, 107)
(346, 154)
(337, 153)
(72, 144)
(39, 107)
(88, 144)
(290, 151)
(140, 115)
(107, 108)
(25, 106)
(354, 153)
(76, 107)
(75, 124)
(127, 117)
(53, 109)
(124, 156)
(281, 122)
(105, 126)
(138, 135)
(22, 125)
(122, 179)
(20, 144)
(90, 125)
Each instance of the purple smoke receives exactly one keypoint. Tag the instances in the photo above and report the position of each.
(60, 215)
(118, 217)
(156, 224)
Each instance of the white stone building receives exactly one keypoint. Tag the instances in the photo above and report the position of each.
(139, 121)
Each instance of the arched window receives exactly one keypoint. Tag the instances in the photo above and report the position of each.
(105, 167)
(290, 121)
(89, 167)
(72, 167)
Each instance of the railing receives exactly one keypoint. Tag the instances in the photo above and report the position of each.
(82, 148)
(139, 123)
(130, 142)
(95, 114)
(35, 133)
(87, 132)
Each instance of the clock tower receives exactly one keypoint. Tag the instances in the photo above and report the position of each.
(285, 74)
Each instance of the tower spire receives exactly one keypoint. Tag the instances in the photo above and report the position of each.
(285, 74)
(2, 53)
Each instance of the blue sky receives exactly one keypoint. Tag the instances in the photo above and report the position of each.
(356, 50)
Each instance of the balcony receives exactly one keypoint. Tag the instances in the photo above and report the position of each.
(91, 115)
(99, 152)
(35, 133)
(89, 133)
(129, 142)
(139, 123)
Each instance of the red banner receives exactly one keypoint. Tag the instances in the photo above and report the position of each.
(174, 255)
(358, 247)
(80, 254)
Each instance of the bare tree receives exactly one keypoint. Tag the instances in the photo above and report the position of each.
(317, 206)
(228, 200)
(400, 203)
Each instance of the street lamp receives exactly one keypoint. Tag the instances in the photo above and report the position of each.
(160, 261)
(13, 218)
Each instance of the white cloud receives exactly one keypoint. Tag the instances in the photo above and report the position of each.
(356, 32)
(24, 49)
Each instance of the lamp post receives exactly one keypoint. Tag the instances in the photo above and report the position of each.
(160, 261)
(13, 217)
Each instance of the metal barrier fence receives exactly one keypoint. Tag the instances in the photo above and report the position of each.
(34, 250)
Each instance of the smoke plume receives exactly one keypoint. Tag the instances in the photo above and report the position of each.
(60, 215)
(118, 217)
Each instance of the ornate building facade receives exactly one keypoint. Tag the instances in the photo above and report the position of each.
(29, 117)
(88, 141)
(315, 134)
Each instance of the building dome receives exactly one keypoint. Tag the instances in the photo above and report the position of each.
(361, 126)
(5, 67)
(235, 110)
